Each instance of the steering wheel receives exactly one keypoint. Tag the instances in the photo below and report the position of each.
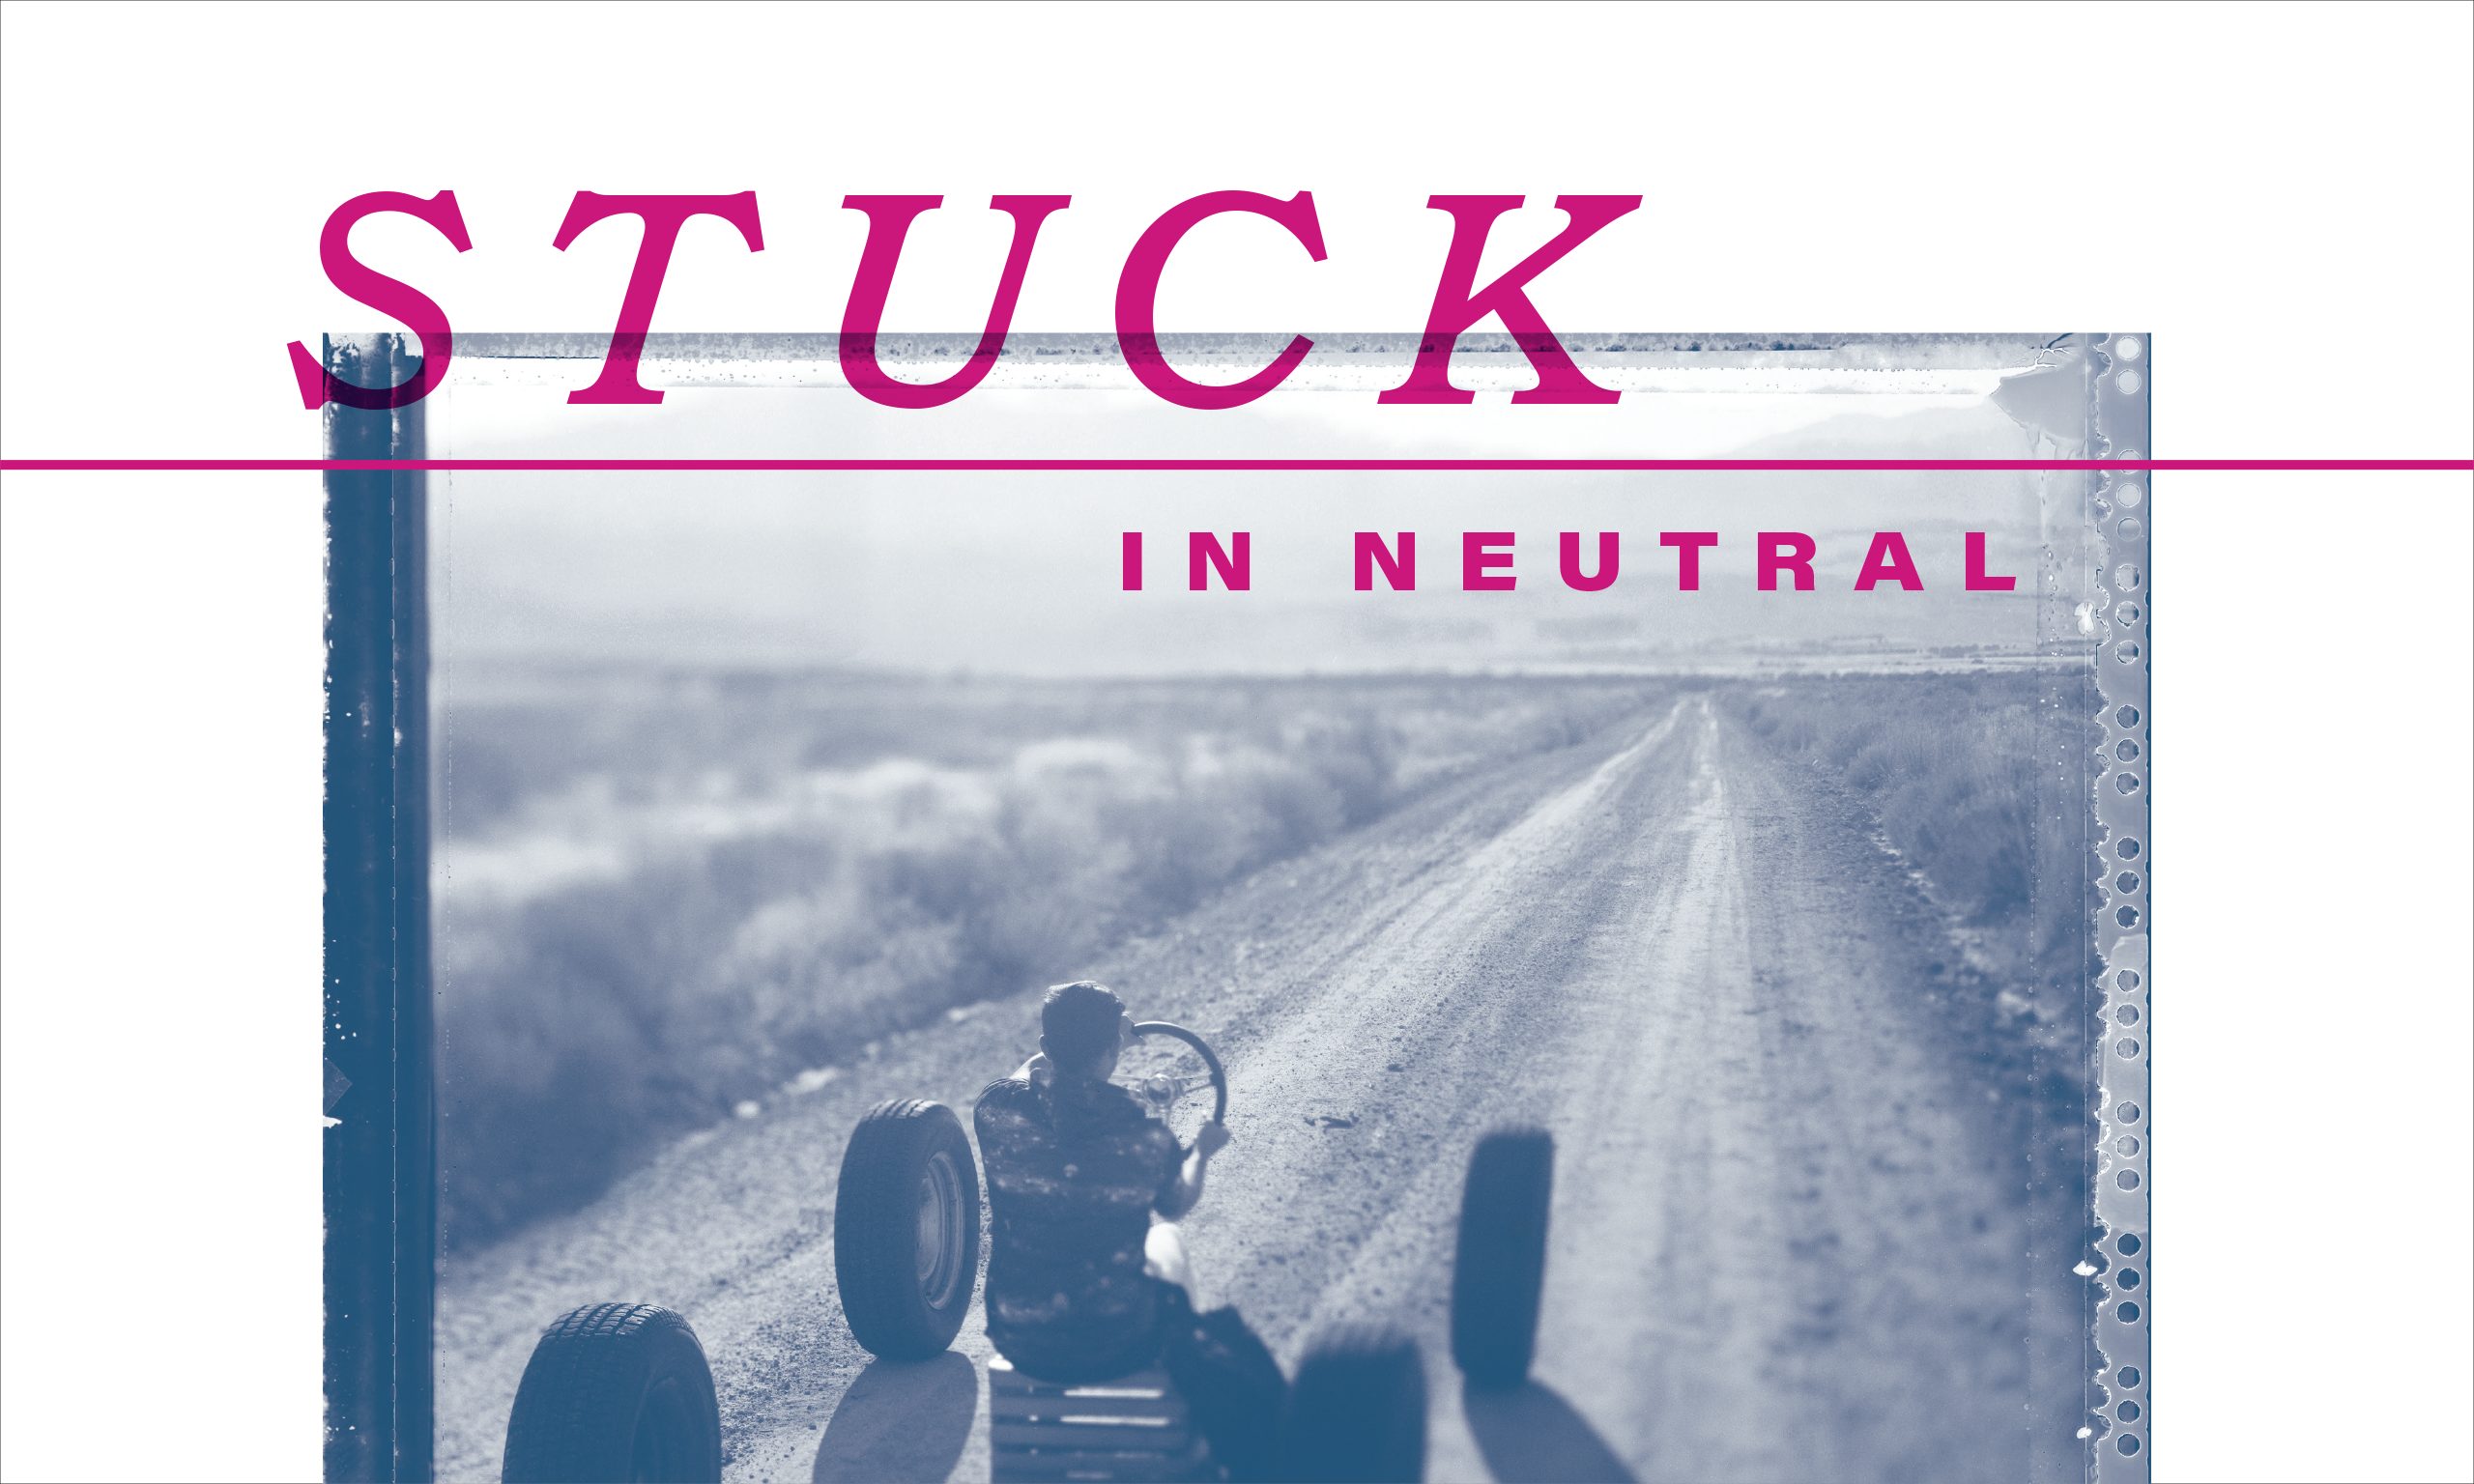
(1165, 1064)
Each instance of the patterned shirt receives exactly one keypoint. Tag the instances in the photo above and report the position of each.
(1075, 1170)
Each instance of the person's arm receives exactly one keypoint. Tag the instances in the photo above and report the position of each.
(1181, 1196)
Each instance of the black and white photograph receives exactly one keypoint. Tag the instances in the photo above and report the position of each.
(1647, 989)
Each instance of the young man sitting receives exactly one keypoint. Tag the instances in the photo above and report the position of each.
(1082, 1286)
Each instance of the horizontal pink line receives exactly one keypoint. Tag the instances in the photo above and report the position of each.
(1183, 466)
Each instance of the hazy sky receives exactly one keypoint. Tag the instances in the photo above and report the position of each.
(1018, 572)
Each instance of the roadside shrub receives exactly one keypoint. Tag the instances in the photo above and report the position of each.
(671, 896)
(1950, 766)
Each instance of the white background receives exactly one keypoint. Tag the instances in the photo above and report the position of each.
(2280, 195)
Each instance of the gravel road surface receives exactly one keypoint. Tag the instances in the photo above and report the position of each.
(1795, 1235)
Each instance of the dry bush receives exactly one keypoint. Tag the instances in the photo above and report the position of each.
(1949, 765)
(664, 896)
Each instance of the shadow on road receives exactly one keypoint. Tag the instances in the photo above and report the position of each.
(1533, 1435)
(901, 1421)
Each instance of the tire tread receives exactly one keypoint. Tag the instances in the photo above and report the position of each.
(872, 1232)
(575, 1409)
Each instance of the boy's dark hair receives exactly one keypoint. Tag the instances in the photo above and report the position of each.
(1078, 1021)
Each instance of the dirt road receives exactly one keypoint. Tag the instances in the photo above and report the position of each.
(1792, 1226)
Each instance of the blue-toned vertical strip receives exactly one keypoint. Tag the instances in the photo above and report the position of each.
(381, 1166)
(2121, 514)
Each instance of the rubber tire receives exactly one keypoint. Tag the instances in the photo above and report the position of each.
(1499, 1270)
(1357, 1410)
(615, 1391)
(876, 1233)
